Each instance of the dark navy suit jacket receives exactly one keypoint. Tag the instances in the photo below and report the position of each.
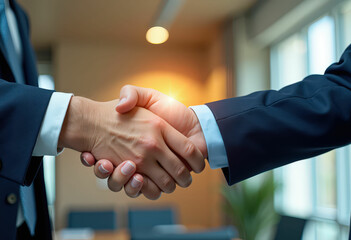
(268, 129)
(22, 108)
(261, 131)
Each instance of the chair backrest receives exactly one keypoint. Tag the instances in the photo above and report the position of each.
(97, 220)
(225, 233)
(290, 228)
(139, 219)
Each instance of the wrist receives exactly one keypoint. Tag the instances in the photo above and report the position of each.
(197, 136)
(202, 141)
(77, 126)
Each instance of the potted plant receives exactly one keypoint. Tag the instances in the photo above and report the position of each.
(250, 207)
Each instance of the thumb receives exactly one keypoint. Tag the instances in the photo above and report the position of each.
(128, 99)
(132, 96)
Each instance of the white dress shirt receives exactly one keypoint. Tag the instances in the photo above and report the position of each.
(217, 155)
(47, 138)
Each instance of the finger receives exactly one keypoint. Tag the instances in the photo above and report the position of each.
(134, 185)
(103, 168)
(159, 176)
(150, 189)
(121, 176)
(175, 167)
(131, 96)
(184, 148)
(87, 159)
(127, 100)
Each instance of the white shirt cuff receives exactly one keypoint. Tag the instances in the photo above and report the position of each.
(217, 155)
(49, 133)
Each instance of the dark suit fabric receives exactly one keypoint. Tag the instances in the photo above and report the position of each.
(268, 129)
(22, 108)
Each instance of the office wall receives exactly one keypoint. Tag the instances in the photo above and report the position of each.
(272, 20)
(252, 63)
(98, 70)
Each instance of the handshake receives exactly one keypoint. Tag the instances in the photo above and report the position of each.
(145, 141)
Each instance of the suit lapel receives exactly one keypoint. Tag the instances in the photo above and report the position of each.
(5, 69)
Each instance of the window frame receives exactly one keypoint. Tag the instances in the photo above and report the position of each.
(341, 214)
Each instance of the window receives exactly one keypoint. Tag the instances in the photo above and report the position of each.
(319, 188)
(289, 64)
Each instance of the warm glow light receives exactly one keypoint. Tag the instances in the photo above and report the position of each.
(171, 99)
(181, 87)
(157, 35)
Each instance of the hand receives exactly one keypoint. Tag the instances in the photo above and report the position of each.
(175, 113)
(132, 186)
(124, 173)
(139, 136)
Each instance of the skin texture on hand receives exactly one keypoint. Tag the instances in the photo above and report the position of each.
(175, 113)
(139, 136)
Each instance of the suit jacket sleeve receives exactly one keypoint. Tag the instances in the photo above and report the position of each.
(268, 129)
(22, 109)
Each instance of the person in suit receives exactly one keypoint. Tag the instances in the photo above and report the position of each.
(248, 135)
(36, 122)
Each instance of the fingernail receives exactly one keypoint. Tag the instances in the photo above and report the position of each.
(135, 183)
(121, 101)
(127, 168)
(84, 161)
(102, 169)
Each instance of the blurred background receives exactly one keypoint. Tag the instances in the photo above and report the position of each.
(214, 50)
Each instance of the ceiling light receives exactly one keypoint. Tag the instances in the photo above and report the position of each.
(157, 35)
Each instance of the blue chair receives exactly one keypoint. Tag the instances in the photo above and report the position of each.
(96, 220)
(226, 233)
(145, 219)
(290, 228)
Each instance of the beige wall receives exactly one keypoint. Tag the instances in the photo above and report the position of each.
(98, 71)
(252, 62)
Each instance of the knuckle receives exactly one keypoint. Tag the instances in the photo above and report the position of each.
(157, 123)
(181, 171)
(190, 149)
(139, 159)
(149, 143)
(152, 144)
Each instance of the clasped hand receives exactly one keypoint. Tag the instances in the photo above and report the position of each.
(147, 144)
